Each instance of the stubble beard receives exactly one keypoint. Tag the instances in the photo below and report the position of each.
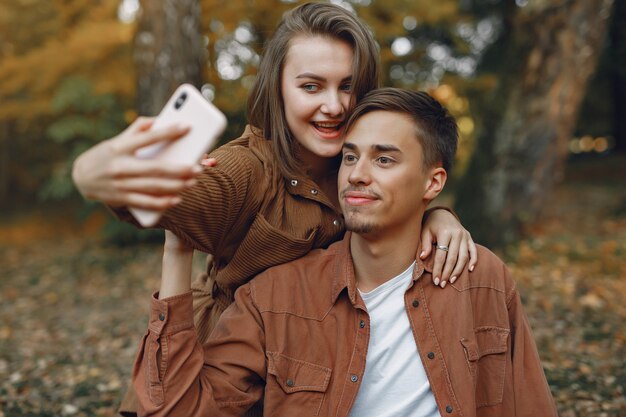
(358, 226)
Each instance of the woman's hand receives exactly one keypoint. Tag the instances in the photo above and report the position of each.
(177, 266)
(453, 246)
(111, 173)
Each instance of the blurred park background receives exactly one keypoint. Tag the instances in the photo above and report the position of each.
(539, 91)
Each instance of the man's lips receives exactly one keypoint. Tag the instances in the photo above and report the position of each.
(359, 198)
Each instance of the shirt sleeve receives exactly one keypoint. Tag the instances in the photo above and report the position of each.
(221, 204)
(532, 393)
(175, 375)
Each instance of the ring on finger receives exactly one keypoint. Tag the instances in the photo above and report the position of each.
(442, 247)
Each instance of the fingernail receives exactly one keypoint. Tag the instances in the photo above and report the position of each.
(452, 280)
(436, 281)
(422, 254)
(196, 169)
(443, 284)
(471, 268)
(176, 200)
(191, 182)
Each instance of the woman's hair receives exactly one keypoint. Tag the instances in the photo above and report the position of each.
(265, 103)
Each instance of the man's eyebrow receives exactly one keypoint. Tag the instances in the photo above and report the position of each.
(318, 77)
(377, 148)
(386, 148)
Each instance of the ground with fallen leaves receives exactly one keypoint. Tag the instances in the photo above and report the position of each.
(72, 310)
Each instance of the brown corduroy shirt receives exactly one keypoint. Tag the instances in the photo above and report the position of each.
(297, 337)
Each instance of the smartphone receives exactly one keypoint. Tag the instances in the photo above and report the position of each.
(187, 105)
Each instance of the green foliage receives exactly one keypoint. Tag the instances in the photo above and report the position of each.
(83, 118)
(123, 234)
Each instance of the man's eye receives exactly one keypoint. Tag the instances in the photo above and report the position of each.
(349, 158)
(384, 160)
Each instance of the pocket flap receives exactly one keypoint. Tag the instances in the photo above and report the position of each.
(487, 341)
(294, 375)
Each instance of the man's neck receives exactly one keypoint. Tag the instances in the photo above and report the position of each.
(378, 258)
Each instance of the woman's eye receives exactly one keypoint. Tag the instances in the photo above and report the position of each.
(310, 87)
(347, 88)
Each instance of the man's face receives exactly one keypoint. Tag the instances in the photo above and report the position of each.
(382, 182)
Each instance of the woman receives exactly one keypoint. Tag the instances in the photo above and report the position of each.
(273, 195)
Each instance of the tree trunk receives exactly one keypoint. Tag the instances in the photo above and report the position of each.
(618, 74)
(169, 51)
(553, 48)
(5, 158)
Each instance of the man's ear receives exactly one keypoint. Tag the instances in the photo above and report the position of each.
(436, 180)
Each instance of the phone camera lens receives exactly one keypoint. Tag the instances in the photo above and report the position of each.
(180, 101)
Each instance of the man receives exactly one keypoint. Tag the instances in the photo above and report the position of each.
(358, 329)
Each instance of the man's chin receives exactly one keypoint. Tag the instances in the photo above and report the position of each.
(361, 228)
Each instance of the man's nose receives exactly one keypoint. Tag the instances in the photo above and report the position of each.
(360, 173)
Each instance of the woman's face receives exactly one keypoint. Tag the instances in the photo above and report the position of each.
(316, 91)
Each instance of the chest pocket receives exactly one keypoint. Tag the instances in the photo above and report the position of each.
(294, 387)
(486, 358)
(262, 247)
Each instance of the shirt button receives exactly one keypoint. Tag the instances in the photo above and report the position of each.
(449, 409)
(314, 192)
(354, 378)
(161, 316)
(294, 182)
(431, 355)
(416, 303)
(290, 383)
(336, 222)
(362, 324)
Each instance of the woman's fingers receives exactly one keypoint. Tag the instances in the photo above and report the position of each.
(207, 161)
(149, 202)
(427, 243)
(452, 256)
(129, 166)
(441, 252)
(141, 124)
(473, 253)
(461, 262)
(132, 139)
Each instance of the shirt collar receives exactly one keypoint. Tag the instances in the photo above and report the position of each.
(344, 277)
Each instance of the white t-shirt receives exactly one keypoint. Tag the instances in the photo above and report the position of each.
(395, 383)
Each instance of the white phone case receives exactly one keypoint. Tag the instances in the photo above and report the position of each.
(207, 122)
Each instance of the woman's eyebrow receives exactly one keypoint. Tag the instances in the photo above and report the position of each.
(319, 77)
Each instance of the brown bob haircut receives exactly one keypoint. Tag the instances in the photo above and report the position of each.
(435, 127)
(265, 103)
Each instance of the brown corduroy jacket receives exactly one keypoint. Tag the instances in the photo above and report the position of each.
(297, 336)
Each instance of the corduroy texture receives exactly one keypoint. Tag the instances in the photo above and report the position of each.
(249, 217)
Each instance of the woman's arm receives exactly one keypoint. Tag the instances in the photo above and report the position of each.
(454, 249)
(177, 265)
(174, 374)
(205, 207)
(111, 173)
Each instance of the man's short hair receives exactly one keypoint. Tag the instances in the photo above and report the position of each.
(436, 128)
